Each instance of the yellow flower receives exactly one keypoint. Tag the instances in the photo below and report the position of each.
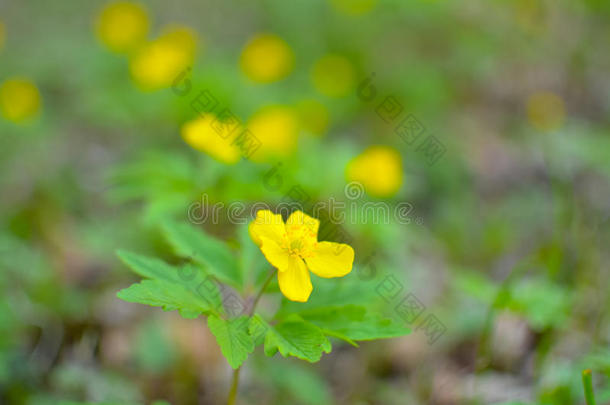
(122, 26)
(545, 111)
(379, 169)
(156, 64)
(19, 99)
(266, 58)
(276, 129)
(314, 116)
(201, 135)
(333, 76)
(293, 248)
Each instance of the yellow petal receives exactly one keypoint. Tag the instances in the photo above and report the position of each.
(331, 260)
(379, 169)
(269, 225)
(122, 25)
(276, 128)
(266, 58)
(295, 282)
(201, 135)
(298, 220)
(156, 64)
(277, 256)
(19, 99)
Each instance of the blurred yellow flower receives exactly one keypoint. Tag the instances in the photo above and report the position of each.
(276, 127)
(201, 135)
(333, 75)
(266, 58)
(378, 169)
(293, 248)
(545, 111)
(2, 35)
(122, 26)
(19, 99)
(354, 7)
(156, 64)
(314, 116)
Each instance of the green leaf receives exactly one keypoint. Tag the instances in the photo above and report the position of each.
(295, 337)
(189, 276)
(354, 323)
(149, 267)
(258, 328)
(233, 338)
(169, 296)
(339, 335)
(253, 262)
(192, 242)
(334, 292)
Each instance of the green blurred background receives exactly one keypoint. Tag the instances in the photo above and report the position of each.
(508, 240)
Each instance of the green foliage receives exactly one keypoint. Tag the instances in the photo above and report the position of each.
(149, 267)
(254, 266)
(301, 331)
(169, 296)
(524, 209)
(543, 303)
(352, 323)
(193, 243)
(165, 287)
(233, 338)
(298, 338)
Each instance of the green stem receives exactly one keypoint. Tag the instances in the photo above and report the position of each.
(587, 382)
(235, 380)
(234, 383)
(261, 291)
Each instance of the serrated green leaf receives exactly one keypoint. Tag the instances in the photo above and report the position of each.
(295, 337)
(335, 292)
(339, 335)
(149, 267)
(169, 296)
(192, 242)
(189, 276)
(232, 337)
(354, 323)
(257, 328)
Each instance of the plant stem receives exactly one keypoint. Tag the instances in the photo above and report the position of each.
(234, 383)
(235, 380)
(587, 382)
(262, 290)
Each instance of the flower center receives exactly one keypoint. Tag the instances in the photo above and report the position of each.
(300, 241)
